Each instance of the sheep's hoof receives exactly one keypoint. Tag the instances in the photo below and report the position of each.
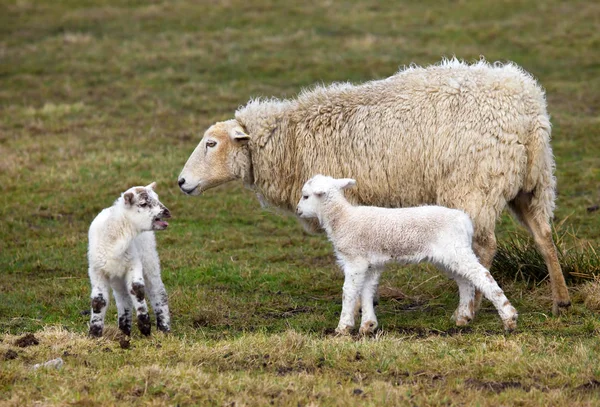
(560, 307)
(343, 330)
(461, 319)
(510, 324)
(368, 328)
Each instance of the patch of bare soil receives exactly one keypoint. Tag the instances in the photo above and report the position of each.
(27, 340)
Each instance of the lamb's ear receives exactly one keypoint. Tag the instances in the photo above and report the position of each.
(344, 183)
(238, 134)
(151, 186)
(128, 198)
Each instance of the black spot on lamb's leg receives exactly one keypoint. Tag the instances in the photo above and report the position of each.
(144, 323)
(161, 322)
(161, 310)
(125, 322)
(97, 320)
(139, 291)
(98, 302)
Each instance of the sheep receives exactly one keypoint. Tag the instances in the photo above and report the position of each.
(122, 255)
(365, 238)
(473, 137)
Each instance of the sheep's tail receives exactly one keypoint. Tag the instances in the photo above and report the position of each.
(539, 179)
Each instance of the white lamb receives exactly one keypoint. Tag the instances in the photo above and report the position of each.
(122, 255)
(365, 238)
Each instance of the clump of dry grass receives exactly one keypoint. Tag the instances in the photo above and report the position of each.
(590, 291)
(518, 259)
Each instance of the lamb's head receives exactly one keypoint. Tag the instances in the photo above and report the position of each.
(318, 190)
(221, 156)
(143, 209)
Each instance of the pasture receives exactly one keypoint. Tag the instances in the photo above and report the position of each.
(97, 96)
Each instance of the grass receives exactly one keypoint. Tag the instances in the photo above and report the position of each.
(98, 96)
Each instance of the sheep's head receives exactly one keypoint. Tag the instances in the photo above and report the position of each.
(316, 190)
(143, 208)
(221, 156)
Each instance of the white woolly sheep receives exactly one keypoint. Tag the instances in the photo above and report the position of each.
(365, 238)
(122, 255)
(471, 137)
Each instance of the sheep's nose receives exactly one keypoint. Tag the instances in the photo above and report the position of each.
(181, 181)
(166, 213)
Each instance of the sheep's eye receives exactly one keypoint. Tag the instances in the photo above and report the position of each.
(143, 204)
(211, 143)
(304, 196)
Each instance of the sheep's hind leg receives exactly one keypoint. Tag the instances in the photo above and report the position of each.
(354, 278)
(542, 234)
(368, 323)
(468, 267)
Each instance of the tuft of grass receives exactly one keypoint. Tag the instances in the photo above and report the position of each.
(518, 258)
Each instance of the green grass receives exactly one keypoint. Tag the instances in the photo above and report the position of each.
(98, 96)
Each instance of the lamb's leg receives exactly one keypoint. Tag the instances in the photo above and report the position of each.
(467, 266)
(466, 306)
(100, 298)
(354, 278)
(157, 294)
(124, 306)
(368, 323)
(137, 293)
(485, 247)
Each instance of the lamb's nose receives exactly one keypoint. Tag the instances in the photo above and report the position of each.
(181, 181)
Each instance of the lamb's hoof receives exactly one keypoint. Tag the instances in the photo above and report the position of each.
(560, 308)
(510, 324)
(368, 328)
(95, 331)
(343, 330)
(461, 319)
(144, 324)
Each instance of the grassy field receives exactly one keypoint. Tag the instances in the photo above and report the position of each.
(97, 96)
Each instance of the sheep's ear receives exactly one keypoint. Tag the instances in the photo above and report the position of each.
(344, 183)
(128, 198)
(151, 186)
(238, 134)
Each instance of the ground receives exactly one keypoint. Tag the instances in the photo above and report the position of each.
(98, 96)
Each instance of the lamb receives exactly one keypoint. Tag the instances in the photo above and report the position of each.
(471, 137)
(365, 238)
(122, 255)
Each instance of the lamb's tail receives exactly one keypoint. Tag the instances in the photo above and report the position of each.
(539, 179)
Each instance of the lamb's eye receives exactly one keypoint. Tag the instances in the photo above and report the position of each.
(304, 196)
(144, 205)
(211, 143)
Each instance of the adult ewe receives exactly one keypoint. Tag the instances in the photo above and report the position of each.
(472, 137)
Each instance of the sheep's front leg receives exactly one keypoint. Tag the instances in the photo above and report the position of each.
(368, 323)
(137, 293)
(354, 278)
(157, 295)
(124, 305)
(99, 298)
